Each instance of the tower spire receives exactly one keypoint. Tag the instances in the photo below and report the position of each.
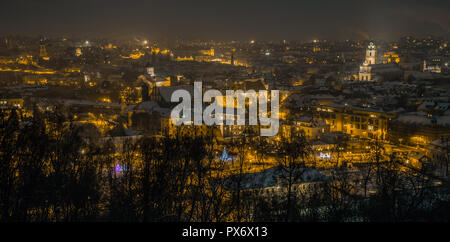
(43, 51)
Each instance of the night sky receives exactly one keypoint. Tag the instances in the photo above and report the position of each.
(227, 19)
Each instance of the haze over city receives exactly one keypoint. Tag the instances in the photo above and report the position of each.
(228, 20)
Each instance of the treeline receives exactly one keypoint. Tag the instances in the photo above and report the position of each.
(49, 172)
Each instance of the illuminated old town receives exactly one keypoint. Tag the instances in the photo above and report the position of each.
(87, 134)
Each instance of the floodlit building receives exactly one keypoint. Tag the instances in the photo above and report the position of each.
(365, 70)
(355, 121)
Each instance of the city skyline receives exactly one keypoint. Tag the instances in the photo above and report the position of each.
(250, 112)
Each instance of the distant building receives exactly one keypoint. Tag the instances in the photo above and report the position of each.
(419, 128)
(365, 70)
(150, 70)
(433, 65)
(371, 70)
(273, 181)
(11, 102)
(355, 121)
(312, 128)
(78, 52)
(43, 52)
(390, 57)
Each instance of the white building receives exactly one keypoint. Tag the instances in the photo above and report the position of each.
(365, 70)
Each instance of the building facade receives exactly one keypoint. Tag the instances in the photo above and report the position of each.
(365, 70)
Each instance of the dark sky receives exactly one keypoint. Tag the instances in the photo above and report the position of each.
(227, 19)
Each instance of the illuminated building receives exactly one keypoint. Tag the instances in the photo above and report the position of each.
(73, 69)
(185, 58)
(34, 80)
(203, 58)
(8, 103)
(43, 52)
(433, 65)
(5, 61)
(78, 52)
(209, 52)
(39, 72)
(371, 54)
(390, 57)
(165, 52)
(316, 47)
(27, 60)
(168, 129)
(365, 70)
(418, 128)
(311, 128)
(155, 49)
(134, 55)
(162, 81)
(355, 121)
(131, 95)
(150, 69)
(371, 70)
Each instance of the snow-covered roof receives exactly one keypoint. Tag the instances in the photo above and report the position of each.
(151, 107)
(269, 178)
(422, 119)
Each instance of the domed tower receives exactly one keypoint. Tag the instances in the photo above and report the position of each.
(365, 72)
(371, 54)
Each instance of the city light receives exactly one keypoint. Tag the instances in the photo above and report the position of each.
(240, 112)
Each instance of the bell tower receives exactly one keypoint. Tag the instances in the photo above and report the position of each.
(371, 54)
(365, 70)
(43, 52)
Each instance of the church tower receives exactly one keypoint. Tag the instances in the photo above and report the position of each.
(43, 52)
(371, 54)
(365, 70)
